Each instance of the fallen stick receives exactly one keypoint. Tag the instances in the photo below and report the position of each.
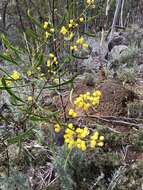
(118, 122)
(135, 120)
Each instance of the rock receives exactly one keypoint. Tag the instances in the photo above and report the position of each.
(134, 35)
(117, 40)
(118, 50)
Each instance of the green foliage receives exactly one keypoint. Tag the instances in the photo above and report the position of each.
(16, 181)
(127, 75)
(64, 172)
(40, 69)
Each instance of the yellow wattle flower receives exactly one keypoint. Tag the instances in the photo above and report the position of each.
(80, 40)
(81, 19)
(92, 144)
(63, 30)
(57, 128)
(100, 144)
(55, 59)
(8, 83)
(70, 126)
(73, 47)
(15, 75)
(72, 113)
(48, 63)
(45, 25)
(30, 98)
(95, 136)
(70, 25)
(89, 2)
(86, 106)
(71, 144)
(97, 93)
(47, 35)
(101, 138)
(71, 35)
(51, 55)
(71, 21)
(29, 73)
(52, 30)
(85, 46)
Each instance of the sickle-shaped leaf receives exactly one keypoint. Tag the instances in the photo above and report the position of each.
(8, 44)
(62, 84)
(21, 137)
(8, 58)
(34, 117)
(10, 91)
(33, 19)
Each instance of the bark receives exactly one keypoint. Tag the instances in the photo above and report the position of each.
(121, 18)
(116, 17)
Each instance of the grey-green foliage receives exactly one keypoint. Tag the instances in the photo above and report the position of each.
(16, 181)
(129, 57)
(64, 173)
(124, 55)
(127, 75)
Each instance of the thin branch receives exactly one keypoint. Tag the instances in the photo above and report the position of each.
(117, 122)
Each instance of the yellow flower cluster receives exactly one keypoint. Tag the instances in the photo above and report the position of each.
(67, 33)
(30, 98)
(49, 29)
(96, 140)
(81, 19)
(8, 83)
(45, 25)
(75, 138)
(82, 133)
(86, 101)
(80, 138)
(73, 48)
(70, 36)
(79, 42)
(42, 76)
(15, 75)
(72, 113)
(63, 30)
(29, 73)
(57, 128)
(52, 60)
(90, 2)
(72, 24)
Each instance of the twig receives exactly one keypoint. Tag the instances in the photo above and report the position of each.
(97, 181)
(113, 122)
(134, 120)
(117, 177)
(119, 122)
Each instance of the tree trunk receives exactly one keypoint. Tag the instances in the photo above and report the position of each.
(121, 18)
(116, 17)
